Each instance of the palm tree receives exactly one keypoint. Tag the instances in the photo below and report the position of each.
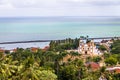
(7, 68)
(31, 71)
(49, 55)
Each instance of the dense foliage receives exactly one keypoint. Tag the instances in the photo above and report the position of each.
(103, 48)
(66, 44)
(24, 65)
(116, 47)
(52, 64)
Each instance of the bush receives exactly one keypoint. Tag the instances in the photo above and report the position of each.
(111, 61)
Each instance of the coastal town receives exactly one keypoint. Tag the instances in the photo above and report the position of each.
(59, 39)
(85, 56)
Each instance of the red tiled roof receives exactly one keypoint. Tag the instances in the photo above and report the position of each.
(2, 51)
(104, 41)
(14, 50)
(93, 65)
(117, 70)
(34, 49)
(46, 48)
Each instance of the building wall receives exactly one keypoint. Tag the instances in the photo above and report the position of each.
(87, 48)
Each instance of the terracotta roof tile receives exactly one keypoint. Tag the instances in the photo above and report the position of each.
(34, 49)
(2, 51)
(93, 65)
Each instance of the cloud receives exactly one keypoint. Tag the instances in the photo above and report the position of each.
(33, 3)
(58, 3)
(105, 2)
(6, 6)
(59, 7)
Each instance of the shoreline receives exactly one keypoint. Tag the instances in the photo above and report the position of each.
(83, 38)
(24, 45)
(40, 43)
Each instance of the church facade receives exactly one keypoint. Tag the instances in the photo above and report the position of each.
(88, 48)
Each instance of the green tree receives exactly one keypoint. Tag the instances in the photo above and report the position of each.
(97, 59)
(111, 61)
(115, 47)
(68, 73)
(102, 48)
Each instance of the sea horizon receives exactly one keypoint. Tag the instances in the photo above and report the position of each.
(48, 28)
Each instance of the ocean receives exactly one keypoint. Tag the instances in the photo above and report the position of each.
(47, 28)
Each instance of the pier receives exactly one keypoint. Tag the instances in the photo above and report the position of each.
(33, 41)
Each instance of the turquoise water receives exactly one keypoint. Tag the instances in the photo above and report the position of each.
(20, 29)
(56, 30)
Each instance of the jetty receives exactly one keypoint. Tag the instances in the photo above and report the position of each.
(33, 41)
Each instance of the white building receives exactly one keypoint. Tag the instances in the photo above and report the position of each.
(88, 48)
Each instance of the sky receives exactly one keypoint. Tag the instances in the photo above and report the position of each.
(28, 8)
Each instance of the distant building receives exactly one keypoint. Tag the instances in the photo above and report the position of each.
(113, 69)
(2, 50)
(13, 50)
(46, 48)
(34, 49)
(88, 48)
(107, 41)
(106, 44)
